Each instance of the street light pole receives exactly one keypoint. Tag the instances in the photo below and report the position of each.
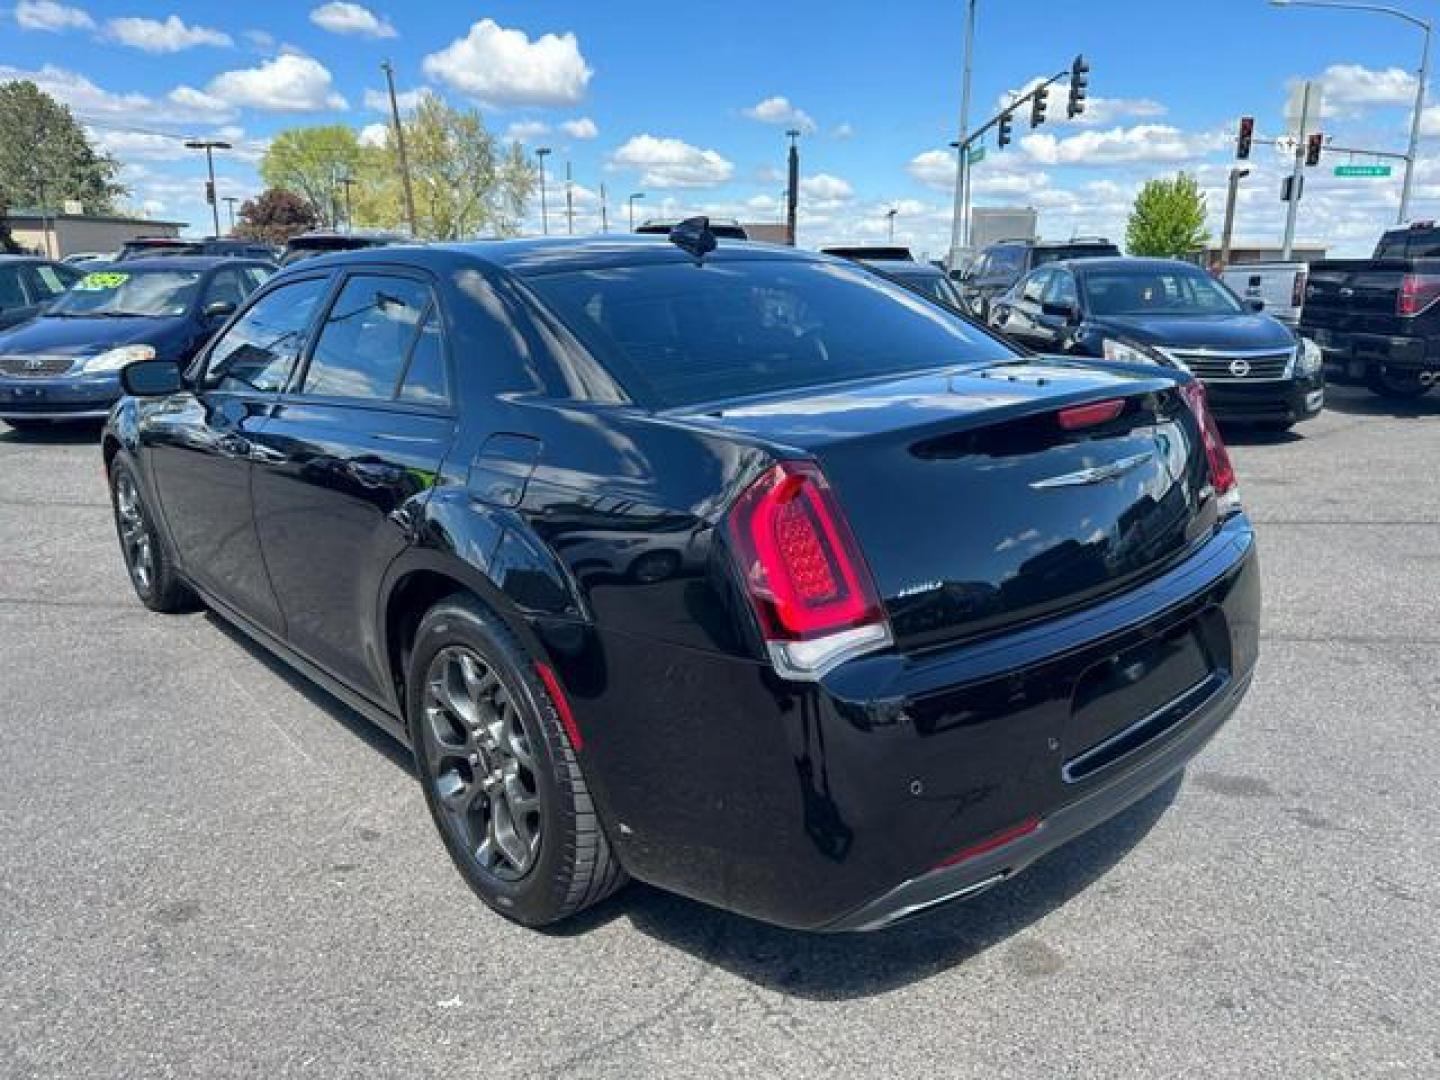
(1414, 20)
(604, 211)
(1297, 175)
(210, 146)
(637, 195)
(230, 201)
(792, 190)
(958, 220)
(389, 70)
(540, 152)
(890, 223)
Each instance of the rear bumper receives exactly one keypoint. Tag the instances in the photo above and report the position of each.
(838, 805)
(1350, 353)
(81, 397)
(1285, 401)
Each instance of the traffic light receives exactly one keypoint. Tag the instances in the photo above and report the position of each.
(1247, 133)
(1037, 105)
(209, 193)
(1313, 145)
(1002, 136)
(1079, 83)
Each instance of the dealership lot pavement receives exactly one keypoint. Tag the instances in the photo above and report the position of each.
(210, 869)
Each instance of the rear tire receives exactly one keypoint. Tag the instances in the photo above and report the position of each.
(148, 564)
(499, 772)
(1395, 387)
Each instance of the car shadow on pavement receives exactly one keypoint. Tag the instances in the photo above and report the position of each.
(1244, 435)
(1359, 401)
(73, 433)
(355, 723)
(833, 967)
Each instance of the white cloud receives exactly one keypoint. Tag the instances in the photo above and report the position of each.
(288, 83)
(845, 130)
(581, 128)
(526, 130)
(346, 18)
(261, 39)
(90, 101)
(934, 169)
(827, 187)
(501, 67)
(672, 163)
(407, 100)
(1355, 84)
(779, 110)
(1121, 145)
(170, 36)
(374, 134)
(130, 145)
(1103, 110)
(51, 16)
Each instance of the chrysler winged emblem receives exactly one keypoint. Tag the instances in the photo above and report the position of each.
(1096, 475)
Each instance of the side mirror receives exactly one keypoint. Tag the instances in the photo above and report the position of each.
(219, 309)
(1255, 304)
(1069, 312)
(152, 378)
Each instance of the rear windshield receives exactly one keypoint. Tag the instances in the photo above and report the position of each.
(1409, 244)
(1080, 251)
(147, 251)
(935, 286)
(678, 334)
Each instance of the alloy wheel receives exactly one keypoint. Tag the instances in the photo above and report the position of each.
(135, 539)
(481, 763)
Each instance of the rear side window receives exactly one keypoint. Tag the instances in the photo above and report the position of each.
(368, 336)
(1409, 244)
(259, 349)
(676, 334)
(11, 294)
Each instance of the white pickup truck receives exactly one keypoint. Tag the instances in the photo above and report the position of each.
(1281, 285)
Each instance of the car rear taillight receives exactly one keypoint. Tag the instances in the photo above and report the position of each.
(1222, 472)
(1417, 292)
(1078, 417)
(812, 593)
(1297, 289)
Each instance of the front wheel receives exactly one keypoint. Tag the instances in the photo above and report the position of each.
(152, 572)
(500, 772)
(1396, 386)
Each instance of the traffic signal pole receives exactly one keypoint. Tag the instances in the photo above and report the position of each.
(1297, 177)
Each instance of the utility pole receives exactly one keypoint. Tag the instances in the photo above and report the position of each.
(347, 181)
(792, 193)
(389, 70)
(1297, 176)
(959, 220)
(210, 146)
(1236, 174)
(569, 202)
(230, 201)
(636, 195)
(540, 152)
(604, 213)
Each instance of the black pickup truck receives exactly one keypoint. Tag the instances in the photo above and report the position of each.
(1378, 319)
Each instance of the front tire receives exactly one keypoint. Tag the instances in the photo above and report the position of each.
(499, 772)
(151, 570)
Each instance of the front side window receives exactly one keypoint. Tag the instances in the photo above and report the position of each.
(676, 334)
(1140, 291)
(224, 287)
(50, 281)
(1035, 286)
(1006, 262)
(367, 338)
(259, 349)
(1061, 291)
(153, 294)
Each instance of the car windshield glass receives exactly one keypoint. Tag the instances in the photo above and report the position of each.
(677, 334)
(1138, 292)
(151, 293)
(935, 286)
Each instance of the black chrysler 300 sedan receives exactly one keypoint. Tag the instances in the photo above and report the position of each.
(743, 571)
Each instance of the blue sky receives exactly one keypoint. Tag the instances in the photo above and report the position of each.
(689, 101)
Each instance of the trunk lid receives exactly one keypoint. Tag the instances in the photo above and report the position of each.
(1359, 295)
(975, 509)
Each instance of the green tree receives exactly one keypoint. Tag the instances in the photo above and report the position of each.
(1168, 218)
(45, 158)
(311, 161)
(274, 216)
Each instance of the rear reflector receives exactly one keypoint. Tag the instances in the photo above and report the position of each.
(1222, 472)
(561, 703)
(803, 571)
(999, 840)
(1083, 416)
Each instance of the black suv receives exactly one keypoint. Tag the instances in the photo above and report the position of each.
(1001, 265)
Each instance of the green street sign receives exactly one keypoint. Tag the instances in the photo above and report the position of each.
(977, 155)
(1362, 170)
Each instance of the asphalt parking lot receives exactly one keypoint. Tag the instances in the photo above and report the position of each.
(210, 869)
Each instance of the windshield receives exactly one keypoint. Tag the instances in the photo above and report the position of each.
(677, 334)
(935, 286)
(1080, 251)
(1160, 291)
(157, 294)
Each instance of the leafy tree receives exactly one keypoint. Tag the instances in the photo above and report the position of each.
(311, 162)
(1168, 218)
(45, 158)
(274, 216)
